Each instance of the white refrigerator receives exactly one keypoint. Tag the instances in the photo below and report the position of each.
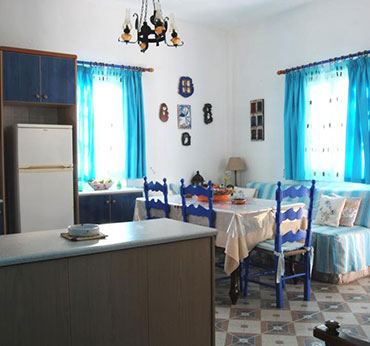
(44, 169)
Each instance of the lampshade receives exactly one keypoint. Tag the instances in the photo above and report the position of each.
(236, 164)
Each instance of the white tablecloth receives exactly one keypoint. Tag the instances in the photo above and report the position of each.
(240, 227)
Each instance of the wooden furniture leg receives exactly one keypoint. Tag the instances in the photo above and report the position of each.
(293, 269)
(234, 289)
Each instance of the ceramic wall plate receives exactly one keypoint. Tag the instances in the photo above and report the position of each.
(84, 230)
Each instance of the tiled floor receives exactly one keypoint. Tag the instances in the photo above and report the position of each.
(256, 321)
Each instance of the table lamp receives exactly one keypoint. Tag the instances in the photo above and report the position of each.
(235, 164)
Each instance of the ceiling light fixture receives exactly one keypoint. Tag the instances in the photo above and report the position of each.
(147, 34)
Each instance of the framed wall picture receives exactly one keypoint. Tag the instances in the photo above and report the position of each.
(184, 116)
(257, 114)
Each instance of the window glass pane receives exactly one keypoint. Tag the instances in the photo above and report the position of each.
(109, 135)
(327, 94)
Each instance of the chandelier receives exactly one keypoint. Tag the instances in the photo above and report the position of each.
(152, 32)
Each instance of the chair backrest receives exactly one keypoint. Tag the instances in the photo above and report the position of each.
(153, 203)
(293, 192)
(199, 210)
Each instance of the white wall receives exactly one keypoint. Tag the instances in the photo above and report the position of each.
(90, 29)
(321, 30)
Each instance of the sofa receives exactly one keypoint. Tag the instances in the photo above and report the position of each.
(342, 254)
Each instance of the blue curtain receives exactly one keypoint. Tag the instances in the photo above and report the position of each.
(294, 125)
(85, 113)
(133, 107)
(357, 167)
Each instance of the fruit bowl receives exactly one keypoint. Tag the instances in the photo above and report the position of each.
(216, 198)
(101, 185)
(219, 194)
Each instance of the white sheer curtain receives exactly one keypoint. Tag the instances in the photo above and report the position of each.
(327, 94)
(109, 134)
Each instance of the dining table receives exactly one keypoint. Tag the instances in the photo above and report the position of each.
(240, 227)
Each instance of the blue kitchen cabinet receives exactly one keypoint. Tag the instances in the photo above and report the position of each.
(123, 206)
(94, 209)
(21, 77)
(58, 82)
(108, 208)
(39, 79)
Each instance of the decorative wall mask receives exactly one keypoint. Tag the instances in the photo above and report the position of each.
(186, 87)
(207, 109)
(184, 116)
(186, 139)
(257, 120)
(163, 112)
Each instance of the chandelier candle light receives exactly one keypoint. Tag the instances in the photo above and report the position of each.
(150, 34)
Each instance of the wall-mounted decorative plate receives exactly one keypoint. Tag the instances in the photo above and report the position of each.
(186, 139)
(186, 86)
(207, 113)
(163, 112)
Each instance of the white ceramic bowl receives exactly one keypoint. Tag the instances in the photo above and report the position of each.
(84, 230)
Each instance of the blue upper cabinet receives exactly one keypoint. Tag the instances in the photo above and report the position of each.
(38, 78)
(21, 78)
(57, 80)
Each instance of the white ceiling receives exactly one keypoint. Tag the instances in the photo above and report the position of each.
(223, 13)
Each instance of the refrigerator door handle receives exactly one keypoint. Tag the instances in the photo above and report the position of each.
(45, 166)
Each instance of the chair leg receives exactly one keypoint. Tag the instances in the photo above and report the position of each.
(278, 287)
(242, 275)
(293, 269)
(246, 275)
(307, 277)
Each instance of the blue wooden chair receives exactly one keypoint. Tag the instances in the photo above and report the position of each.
(199, 210)
(156, 203)
(288, 246)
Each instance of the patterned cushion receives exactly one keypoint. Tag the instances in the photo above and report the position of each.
(269, 245)
(243, 192)
(329, 210)
(349, 212)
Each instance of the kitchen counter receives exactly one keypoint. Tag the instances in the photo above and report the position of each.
(140, 286)
(89, 191)
(46, 245)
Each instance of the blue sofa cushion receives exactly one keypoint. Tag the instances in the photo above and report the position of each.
(267, 191)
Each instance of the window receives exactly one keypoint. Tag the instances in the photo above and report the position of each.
(326, 118)
(111, 124)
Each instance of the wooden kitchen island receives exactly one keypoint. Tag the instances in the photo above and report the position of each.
(148, 283)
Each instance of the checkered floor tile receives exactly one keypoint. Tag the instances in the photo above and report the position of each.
(256, 321)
